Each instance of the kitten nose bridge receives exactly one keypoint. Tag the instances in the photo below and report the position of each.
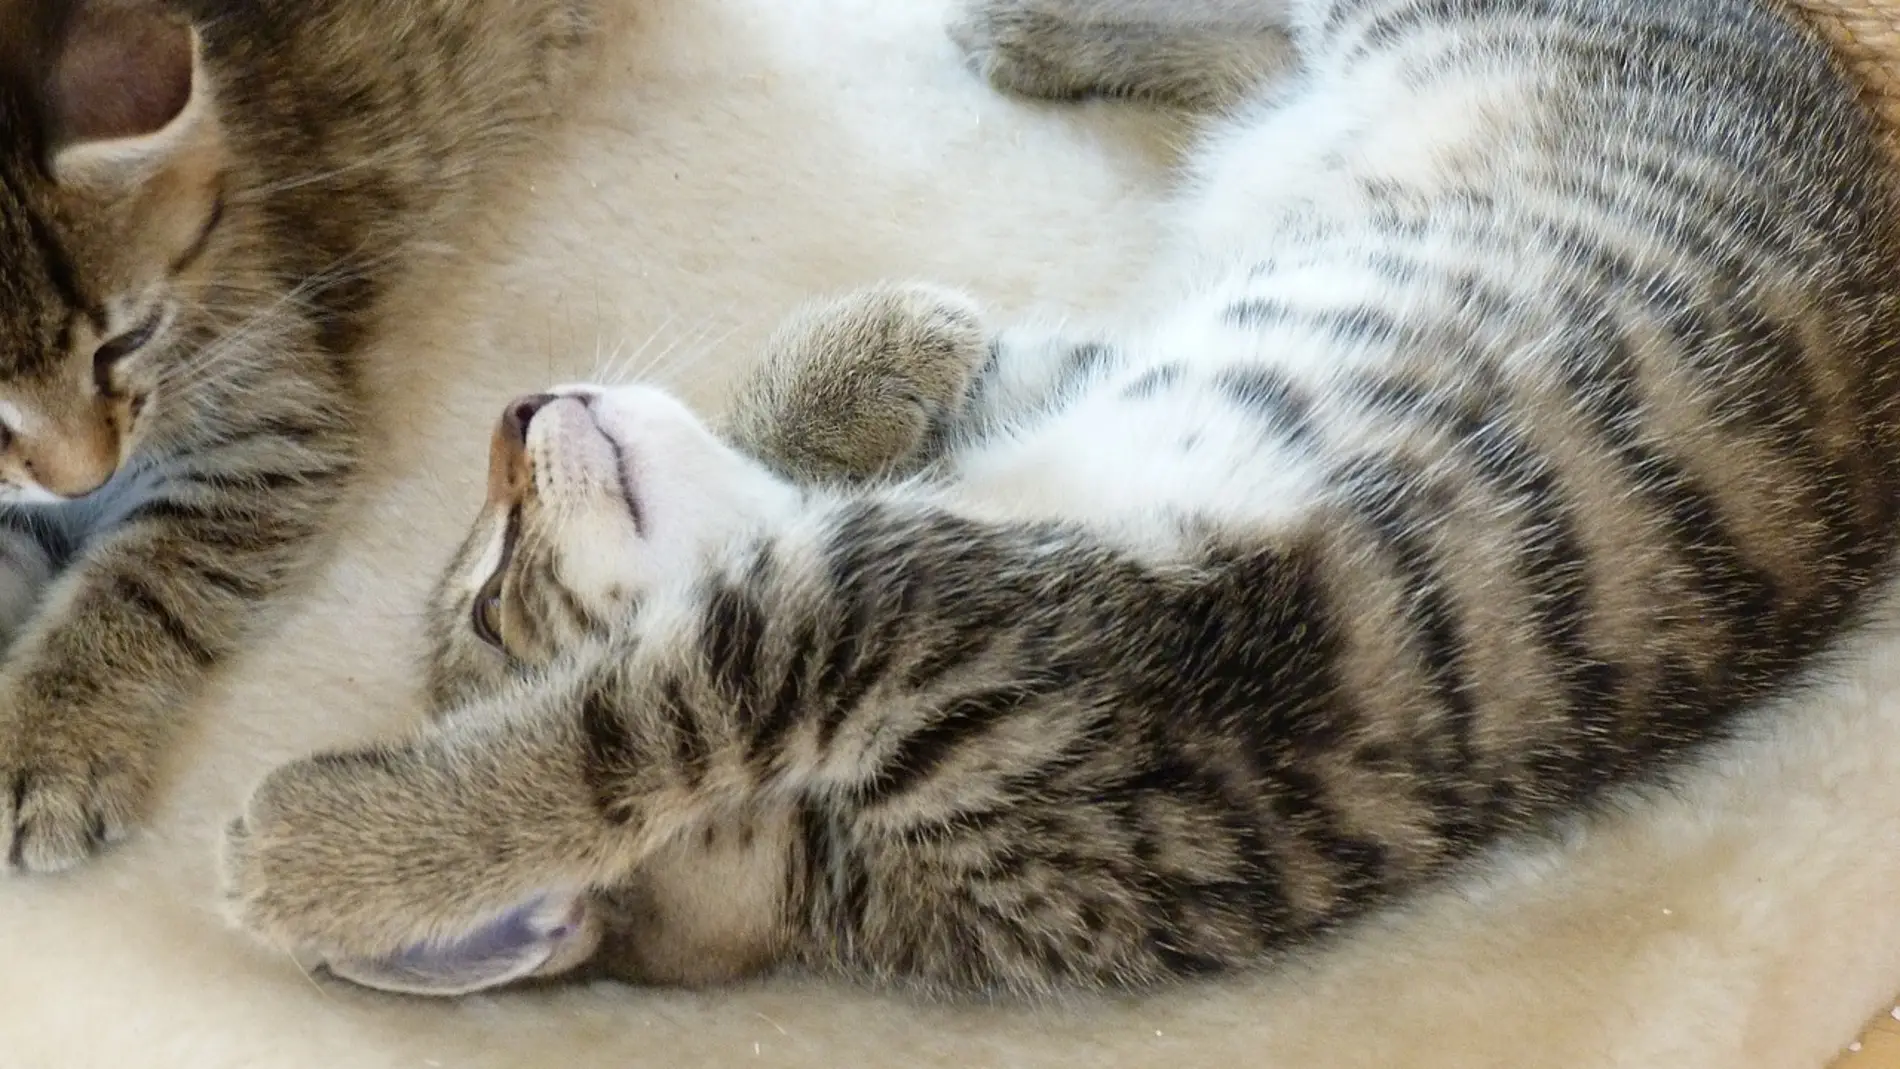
(508, 450)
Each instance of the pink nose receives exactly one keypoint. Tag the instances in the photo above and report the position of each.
(508, 451)
(520, 413)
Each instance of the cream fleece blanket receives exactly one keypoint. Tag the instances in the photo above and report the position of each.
(737, 156)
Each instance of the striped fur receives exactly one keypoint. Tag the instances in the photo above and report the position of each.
(1526, 417)
(183, 292)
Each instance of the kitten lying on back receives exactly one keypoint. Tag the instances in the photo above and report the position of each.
(1530, 416)
(200, 202)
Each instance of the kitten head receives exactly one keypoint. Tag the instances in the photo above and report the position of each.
(596, 498)
(111, 163)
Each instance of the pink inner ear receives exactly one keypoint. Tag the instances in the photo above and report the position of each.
(124, 70)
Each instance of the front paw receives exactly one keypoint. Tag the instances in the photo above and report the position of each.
(27, 568)
(68, 787)
(855, 388)
(323, 852)
(360, 863)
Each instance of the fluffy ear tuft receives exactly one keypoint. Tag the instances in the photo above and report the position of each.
(121, 90)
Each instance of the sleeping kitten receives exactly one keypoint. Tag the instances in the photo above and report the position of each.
(1528, 417)
(199, 205)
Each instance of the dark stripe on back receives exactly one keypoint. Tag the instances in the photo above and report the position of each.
(962, 722)
(773, 721)
(871, 604)
(1394, 506)
(1082, 363)
(1152, 381)
(1270, 397)
(1298, 799)
(1745, 598)
(692, 750)
(608, 756)
(1552, 562)
(732, 629)
(134, 594)
(967, 640)
(240, 587)
(808, 870)
(856, 660)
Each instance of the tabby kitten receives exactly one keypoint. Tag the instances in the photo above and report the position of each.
(1529, 416)
(200, 203)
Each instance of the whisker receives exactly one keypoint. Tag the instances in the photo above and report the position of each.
(607, 375)
(309, 178)
(664, 357)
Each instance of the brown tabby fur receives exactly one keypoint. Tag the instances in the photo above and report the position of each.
(1529, 421)
(200, 203)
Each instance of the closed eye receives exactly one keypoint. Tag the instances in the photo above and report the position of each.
(485, 614)
(123, 345)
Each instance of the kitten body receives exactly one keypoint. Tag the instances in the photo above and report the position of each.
(200, 203)
(1526, 417)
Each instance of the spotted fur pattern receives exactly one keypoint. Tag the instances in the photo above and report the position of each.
(199, 205)
(1526, 418)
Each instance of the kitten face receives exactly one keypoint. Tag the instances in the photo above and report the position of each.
(110, 183)
(596, 497)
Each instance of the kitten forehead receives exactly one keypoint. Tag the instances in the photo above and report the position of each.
(38, 291)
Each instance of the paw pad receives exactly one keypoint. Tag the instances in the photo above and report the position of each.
(543, 938)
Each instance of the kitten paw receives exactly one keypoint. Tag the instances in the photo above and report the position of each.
(70, 783)
(544, 937)
(60, 804)
(26, 570)
(345, 861)
(855, 388)
(316, 861)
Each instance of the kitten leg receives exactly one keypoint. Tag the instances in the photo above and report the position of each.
(192, 552)
(1198, 53)
(443, 851)
(28, 565)
(437, 840)
(858, 388)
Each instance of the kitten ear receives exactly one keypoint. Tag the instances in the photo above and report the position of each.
(123, 91)
(545, 937)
